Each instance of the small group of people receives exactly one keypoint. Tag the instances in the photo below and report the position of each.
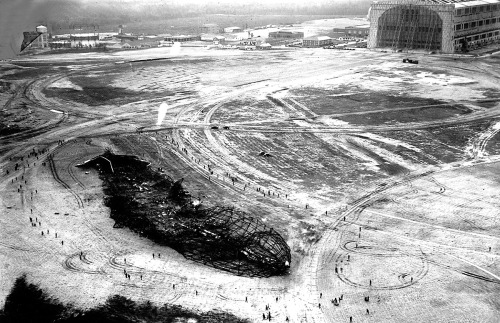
(337, 302)
(268, 316)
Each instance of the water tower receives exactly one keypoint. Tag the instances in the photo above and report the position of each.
(40, 36)
(43, 40)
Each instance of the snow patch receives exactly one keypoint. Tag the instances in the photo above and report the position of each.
(390, 141)
(65, 83)
(331, 122)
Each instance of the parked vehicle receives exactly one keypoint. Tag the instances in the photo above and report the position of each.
(411, 61)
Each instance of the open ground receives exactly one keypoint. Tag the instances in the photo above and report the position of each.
(382, 177)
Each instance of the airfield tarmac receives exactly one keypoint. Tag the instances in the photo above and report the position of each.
(383, 178)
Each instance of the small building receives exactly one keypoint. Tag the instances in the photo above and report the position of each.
(357, 31)
(352, 31)
(286, 34)
(107, 36)
(263, 46)
(219, 40)
(182, 38)
(55, 44)
(317, 41)
(252, 41)
(338, 32)
(210, 29)
(235, 37)
(208, 37)
(84, 39)
(127, 37)
(233, 30)
(116, 46)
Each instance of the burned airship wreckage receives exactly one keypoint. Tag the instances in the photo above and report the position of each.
(159, 208)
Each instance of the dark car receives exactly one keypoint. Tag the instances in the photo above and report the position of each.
(411, 61)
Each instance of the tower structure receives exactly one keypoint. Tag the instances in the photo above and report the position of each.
(43, 39)
(37, 38)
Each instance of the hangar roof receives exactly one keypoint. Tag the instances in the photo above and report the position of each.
(475, 3)
(465, 3)
(458, 3)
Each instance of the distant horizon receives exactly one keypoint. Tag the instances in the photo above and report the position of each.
(24, 15)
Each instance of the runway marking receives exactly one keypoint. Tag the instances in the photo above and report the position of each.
(432, 225)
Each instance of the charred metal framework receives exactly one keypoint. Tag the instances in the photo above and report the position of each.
(231, 241)
(153, 205)
(410, 26)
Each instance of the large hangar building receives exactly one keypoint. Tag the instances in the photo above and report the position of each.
(445, 26)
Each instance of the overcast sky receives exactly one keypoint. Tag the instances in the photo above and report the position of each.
(15, 16)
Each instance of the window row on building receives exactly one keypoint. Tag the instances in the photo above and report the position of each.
(477, 39)
(476, 9)
(422, 43)
(182, 38)
(317, 41)
(357, 32)
(361, 31)
(286, 34)
(480, 36)
(477, 23)
(435, 45)
(420, 29)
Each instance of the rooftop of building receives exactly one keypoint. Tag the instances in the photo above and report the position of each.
(473, 3)
(83, 34)
(318, 38)
(180, 36)
(457, 3)
(358, 26)
(287, 31)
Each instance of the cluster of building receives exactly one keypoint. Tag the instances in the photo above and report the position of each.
(445, 26)
(85, 38)
(91, 37)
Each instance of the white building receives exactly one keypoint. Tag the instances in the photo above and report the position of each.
(317, 41)
(233, 30)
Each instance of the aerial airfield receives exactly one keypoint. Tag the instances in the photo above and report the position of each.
(301, 185)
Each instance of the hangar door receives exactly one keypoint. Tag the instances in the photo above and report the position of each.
(410, 27)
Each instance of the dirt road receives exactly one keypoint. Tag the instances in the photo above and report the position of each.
(366, 211)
